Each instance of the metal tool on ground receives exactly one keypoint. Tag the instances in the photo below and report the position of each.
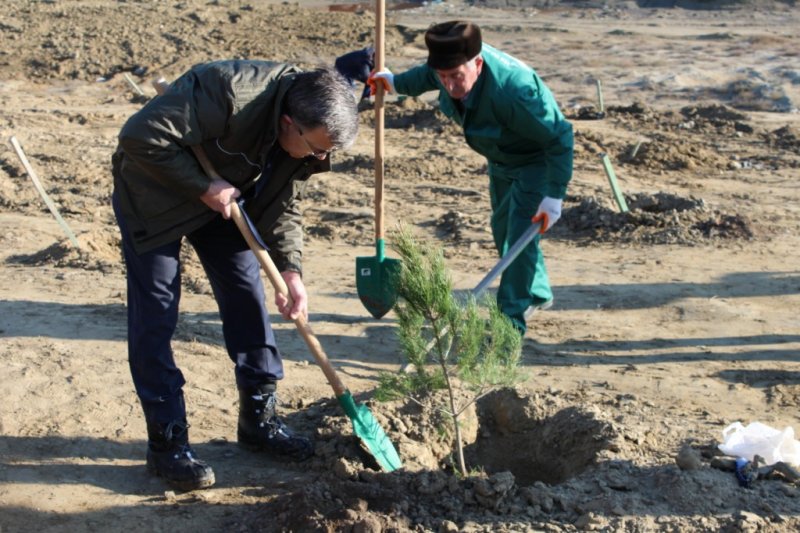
(47, 200)
(612, 180)
(365, 426)
(375, 276)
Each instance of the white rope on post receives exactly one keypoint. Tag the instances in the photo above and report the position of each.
(47, 200)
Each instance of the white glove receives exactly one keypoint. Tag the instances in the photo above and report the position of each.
(548, 213)
(385, 77)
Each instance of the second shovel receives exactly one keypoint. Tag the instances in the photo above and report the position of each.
(375, 276)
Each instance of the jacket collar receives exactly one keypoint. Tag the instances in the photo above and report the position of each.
(473, 98)
(315, 166)
(273, 126)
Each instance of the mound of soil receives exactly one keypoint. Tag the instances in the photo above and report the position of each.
(540, 460)
(522, 443)
(660, 218)
(786, 138)
(99, 250)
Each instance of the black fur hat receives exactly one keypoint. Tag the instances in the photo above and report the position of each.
(451, 44)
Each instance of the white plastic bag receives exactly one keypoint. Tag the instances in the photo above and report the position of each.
(759, 439)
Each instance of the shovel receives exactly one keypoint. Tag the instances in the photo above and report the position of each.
(512, 253)
(375, 276)
(365, 426)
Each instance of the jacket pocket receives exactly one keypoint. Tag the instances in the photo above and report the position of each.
(154, 202)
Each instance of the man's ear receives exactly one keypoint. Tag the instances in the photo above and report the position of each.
(286, 120)
(479, 63)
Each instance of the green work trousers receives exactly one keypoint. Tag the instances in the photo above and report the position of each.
(514, 202)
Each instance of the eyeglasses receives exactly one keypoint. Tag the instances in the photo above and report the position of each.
(316, 152)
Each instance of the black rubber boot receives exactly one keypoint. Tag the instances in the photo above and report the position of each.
(260, 428)
(170, 456)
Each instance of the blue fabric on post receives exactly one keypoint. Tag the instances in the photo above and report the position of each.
(356, 66)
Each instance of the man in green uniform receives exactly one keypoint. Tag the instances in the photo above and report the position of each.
(510, 117)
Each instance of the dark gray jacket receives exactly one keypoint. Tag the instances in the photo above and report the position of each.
(231, 109)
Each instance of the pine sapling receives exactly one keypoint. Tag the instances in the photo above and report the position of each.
(466, 347)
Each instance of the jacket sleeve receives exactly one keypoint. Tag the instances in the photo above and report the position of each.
(416, 81)
(532, 113)
(285, 239)
(158, 137)
(276, 209)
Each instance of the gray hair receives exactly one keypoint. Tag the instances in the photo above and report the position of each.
(323, 97)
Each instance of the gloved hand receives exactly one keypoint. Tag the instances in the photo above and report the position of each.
(548, 213)
(384, 77)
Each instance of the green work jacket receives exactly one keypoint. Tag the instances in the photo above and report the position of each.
(231, 109)
(510, 117)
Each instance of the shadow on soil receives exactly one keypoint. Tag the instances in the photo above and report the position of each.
(54, 461)
(83, 321)
(652, 295)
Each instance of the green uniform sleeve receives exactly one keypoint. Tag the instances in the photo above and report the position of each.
(416, 81)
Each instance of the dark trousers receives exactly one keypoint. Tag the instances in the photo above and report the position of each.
(154, 292)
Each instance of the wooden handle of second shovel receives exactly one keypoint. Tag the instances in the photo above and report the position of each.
(281, 288)
(380, 23)
(269, 267)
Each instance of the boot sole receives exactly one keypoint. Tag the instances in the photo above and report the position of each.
(260, 448)
(185, 486)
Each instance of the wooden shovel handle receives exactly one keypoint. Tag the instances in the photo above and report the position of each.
(280, 287)
(269, 267)
(380, 23)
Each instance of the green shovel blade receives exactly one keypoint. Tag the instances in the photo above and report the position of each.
(371, 433)
(375, 281)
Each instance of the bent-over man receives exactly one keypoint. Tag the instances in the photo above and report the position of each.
(266, 128)
(510, 117)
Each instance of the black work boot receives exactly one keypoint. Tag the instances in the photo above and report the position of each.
(170, 456)
(261, 429)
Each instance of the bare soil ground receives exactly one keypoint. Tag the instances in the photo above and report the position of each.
(671, 321)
